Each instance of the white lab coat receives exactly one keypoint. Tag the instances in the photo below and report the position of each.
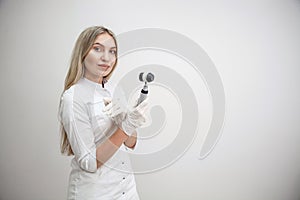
(87, 127)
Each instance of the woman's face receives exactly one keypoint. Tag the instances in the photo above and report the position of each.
(101, 58)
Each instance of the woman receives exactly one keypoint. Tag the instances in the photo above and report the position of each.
(98, 131)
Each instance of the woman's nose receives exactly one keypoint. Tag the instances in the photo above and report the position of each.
(105, 56)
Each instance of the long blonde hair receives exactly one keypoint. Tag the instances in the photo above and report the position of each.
(82, 47)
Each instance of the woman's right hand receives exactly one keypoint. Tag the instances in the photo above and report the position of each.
(127, 120)
(114, 108)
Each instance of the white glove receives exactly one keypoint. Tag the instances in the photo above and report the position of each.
(135, 118)
(126, 120)
(114, 109)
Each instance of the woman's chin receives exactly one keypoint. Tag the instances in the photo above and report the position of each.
(101, 73)
(104, 73)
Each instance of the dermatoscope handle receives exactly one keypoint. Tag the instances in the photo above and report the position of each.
(144, 93)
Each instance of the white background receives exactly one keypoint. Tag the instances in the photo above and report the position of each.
(255, 46)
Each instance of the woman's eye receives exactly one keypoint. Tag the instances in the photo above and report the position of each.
(97, 49)
(113, 51)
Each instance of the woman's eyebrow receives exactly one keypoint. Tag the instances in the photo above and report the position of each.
(97, 43)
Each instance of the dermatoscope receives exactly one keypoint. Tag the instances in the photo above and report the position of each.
(146, 78)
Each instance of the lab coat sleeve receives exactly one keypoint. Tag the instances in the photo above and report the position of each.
(75, 120)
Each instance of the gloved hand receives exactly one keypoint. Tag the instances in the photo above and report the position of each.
(114, 109)
(135, 118)
(127, 120)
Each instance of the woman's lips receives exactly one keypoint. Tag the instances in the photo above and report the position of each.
(104, 66)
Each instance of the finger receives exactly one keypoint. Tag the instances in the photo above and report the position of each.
(113, 104)
(143, 106)
(115, 107)
(107, 107)
(115, 112)
(141, 120)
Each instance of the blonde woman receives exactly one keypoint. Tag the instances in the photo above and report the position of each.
(97, 129)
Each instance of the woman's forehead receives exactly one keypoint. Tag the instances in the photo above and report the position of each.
(106, 40)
